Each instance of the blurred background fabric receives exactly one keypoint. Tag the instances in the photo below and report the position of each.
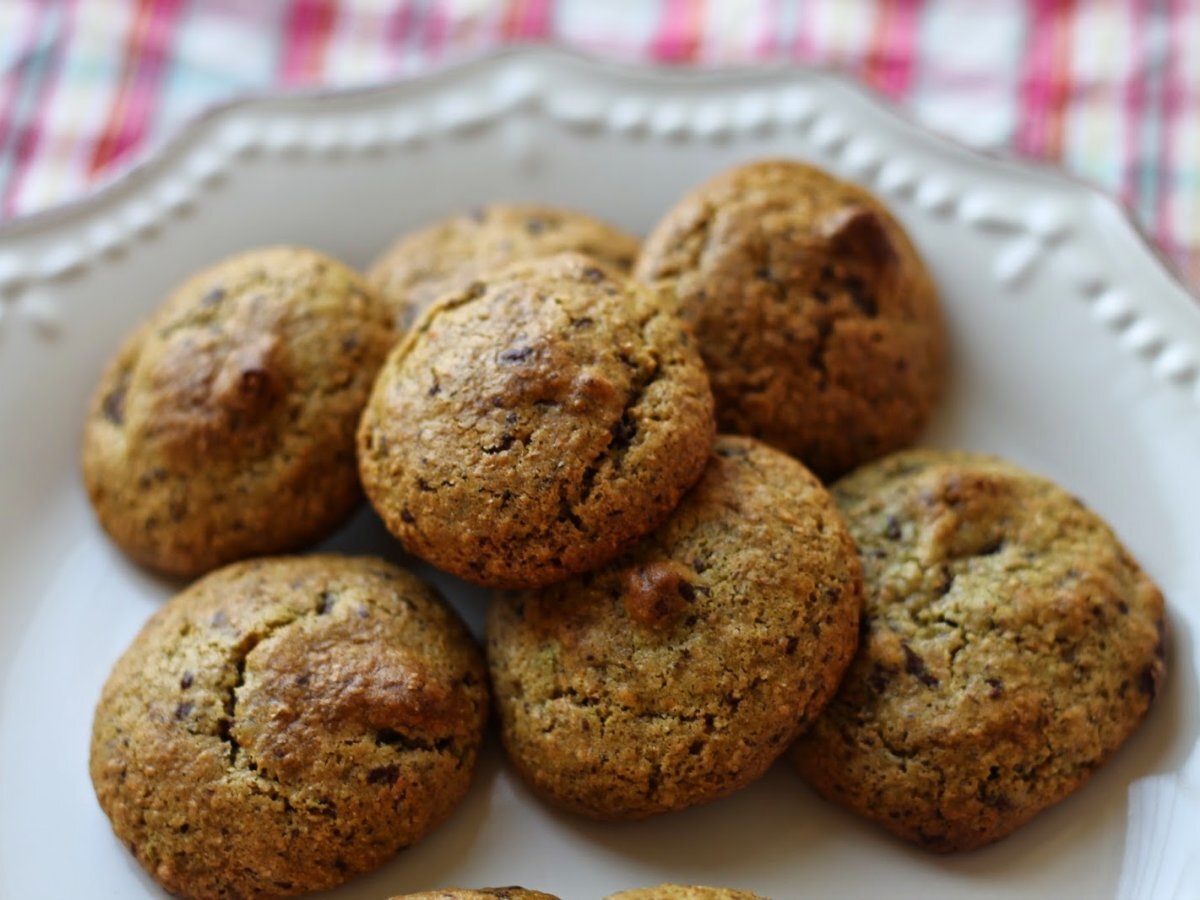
(1109, 89)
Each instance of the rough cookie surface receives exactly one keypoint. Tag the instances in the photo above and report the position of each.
(536, 424)
(224, 427)
(683, 892)
(286, 723)
(1010, 645)
(816, 317)
(679, 672)
(447, 256)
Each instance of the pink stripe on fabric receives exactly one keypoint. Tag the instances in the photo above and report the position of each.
(119, 132)
(768, 41)
(804, 46)
(1174, 100)
(28, 139)
(900, 49)
(1035, 82)
(307, 27)
(675, 40)
(534, 19)
(398, 28)
(437, 27)
(148, 67)
(1134, 102)
(10, 84)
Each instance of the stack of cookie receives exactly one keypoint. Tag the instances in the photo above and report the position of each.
(531, 402)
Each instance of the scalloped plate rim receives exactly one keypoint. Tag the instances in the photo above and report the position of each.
(158, 158)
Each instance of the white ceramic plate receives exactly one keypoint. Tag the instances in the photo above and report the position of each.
(1075, 354)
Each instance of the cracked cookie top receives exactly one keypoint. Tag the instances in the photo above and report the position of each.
(286, 723)
(224, 427)
(678, 673)
(815, 315)
(537, 423)
(447, 256)
(1010, 645)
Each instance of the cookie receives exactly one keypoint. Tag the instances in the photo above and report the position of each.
(1010, 645)
(680, 672)
(816, 317)
(447, 257)
(683, 892)
(504, 893)
(536, 424)
(224, 427)
(285, 724)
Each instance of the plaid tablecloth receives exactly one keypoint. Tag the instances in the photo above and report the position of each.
(1110, 89)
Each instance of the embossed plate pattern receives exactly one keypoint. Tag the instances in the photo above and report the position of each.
(1075, 354)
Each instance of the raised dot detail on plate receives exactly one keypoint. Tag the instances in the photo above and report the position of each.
(460, 113)
(174, 195)
(860, 156)
(325, 137)
(239, 137)
(12, 271)
(751, 112)
(139, 217)
(43, 314)
(283, 136)
(1113, 310)
(669, 120)
(628, 115)
(711, 120)
(59, 261)
(365, 135)
(1015, 262)
(984, 212)
(828, 134)
(104, 237)
(402, 129)
(1178, 365)
(576, 110)
(1144, 339)
(1048, 222)
(935, 195)
(206, 165)
(896, 177)
(516, 88)
(1080, 271)
(794, 106)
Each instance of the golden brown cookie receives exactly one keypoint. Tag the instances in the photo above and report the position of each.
(816, 317)
(446, 257)
(1010, 645)
(224, 427)
(683, 892)
(285, 724)
(503, 893)
(678, 673)
(536, 424)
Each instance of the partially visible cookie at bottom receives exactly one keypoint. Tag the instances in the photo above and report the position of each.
(683, 892)
(287, 723)
(1010, 645)
(500, 893)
